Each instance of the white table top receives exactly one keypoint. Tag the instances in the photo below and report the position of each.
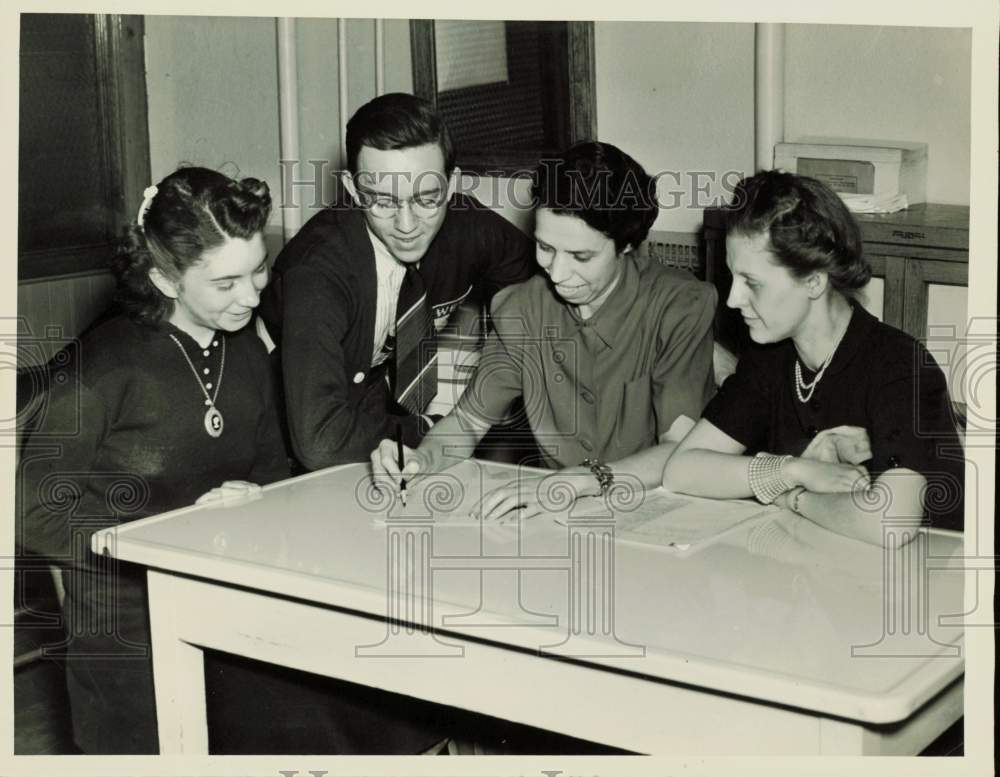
(770, 610)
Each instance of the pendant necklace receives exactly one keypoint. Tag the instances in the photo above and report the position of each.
(213, 418)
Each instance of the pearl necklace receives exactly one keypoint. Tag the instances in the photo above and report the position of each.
(801, 385)
(213, 418)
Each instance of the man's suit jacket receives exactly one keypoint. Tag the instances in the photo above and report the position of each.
(320, 310)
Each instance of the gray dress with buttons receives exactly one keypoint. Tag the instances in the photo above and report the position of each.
(606, 387)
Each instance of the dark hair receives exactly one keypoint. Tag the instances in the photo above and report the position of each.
(602, 185)
(193, 211)
(809, 227)
(394, 121)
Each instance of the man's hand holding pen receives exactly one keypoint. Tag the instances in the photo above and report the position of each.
(396, 464)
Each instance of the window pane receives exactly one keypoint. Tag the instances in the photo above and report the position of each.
(61, 182)
(470, 54)
(528, 110)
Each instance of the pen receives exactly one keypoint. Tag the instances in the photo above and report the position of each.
(399, 462)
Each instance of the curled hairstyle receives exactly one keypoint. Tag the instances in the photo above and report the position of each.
(809, 227)
(602, 185)
(394, 121)
(193, 211)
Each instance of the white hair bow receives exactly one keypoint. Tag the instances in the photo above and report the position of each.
(147, 200)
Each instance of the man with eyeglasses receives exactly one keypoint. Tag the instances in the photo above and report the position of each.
(360, 291)
(361, 283)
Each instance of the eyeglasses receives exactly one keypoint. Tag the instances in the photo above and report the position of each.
(385, 206)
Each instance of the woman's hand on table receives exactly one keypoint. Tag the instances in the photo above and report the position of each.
(518, 498)
(825, 477)
(230, 489)
(530, 495)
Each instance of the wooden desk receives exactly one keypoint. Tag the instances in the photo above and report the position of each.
(778, 637)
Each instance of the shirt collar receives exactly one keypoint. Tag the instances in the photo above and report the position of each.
(609, 320)
(163, 328)
(386, 265)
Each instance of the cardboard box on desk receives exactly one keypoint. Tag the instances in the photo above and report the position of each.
(850, 166)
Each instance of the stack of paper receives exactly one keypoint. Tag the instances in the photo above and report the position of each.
(874, 203)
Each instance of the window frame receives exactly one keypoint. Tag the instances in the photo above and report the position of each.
(124, 128)
(581, 87)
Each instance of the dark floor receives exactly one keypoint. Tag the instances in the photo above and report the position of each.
(41, 705)
(41, 710)
(42, 727)
(42, 722)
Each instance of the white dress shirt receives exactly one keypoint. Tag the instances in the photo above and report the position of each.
(389, 273)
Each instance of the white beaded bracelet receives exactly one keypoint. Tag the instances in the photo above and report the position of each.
(766, 482)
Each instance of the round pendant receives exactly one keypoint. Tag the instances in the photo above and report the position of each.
(213, 422)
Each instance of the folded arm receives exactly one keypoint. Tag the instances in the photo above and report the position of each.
(886, 513)
(837, 496)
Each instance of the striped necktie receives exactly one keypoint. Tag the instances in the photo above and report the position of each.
(415, 359)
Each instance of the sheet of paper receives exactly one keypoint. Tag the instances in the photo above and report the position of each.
(682, 522)
(657, 517)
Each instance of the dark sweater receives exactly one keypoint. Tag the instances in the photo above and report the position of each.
(320, 309)
(122, 435)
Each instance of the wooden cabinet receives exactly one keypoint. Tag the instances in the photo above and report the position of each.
(921, 256)
(922, 246)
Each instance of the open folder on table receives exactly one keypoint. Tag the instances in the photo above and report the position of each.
(682, 523)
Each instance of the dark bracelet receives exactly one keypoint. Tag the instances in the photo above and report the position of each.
(601, 471)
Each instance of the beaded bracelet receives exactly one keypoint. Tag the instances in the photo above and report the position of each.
(605, 478)
(765, 478)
